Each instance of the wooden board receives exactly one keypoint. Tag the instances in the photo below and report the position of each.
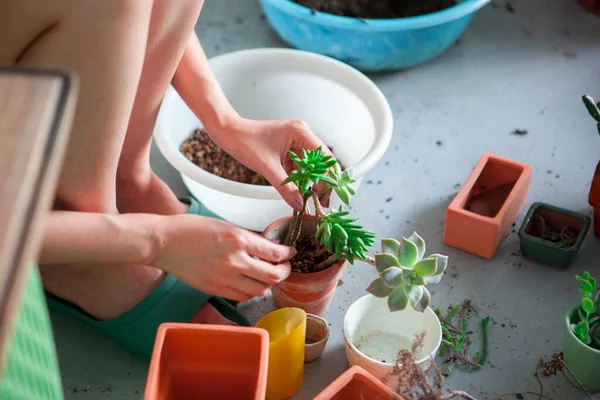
(36, 109)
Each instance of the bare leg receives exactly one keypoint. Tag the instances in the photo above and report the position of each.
(138, 188)
(105, 43)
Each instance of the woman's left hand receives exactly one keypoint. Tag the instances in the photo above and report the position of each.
(263, 147)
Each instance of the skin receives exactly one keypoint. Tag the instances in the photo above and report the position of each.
(116, 228)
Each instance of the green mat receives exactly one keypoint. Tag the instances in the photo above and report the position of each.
(31, 368)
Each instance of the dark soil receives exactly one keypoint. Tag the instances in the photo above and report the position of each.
(309, 341)
(202, 151)
(544, 229)
(378, 9)
(310, 255)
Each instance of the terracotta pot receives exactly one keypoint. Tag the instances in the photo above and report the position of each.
(311, 292)
(546, 251)
(594, 199)
(591, 5)
(357, 384)
(317, 335)
(485, 208)
(219, 362)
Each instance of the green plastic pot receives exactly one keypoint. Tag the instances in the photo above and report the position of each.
(548, 252)
(582, 360)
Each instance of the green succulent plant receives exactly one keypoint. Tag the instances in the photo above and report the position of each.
(402, 269)
(587, 329)
(593, 109)
(339, 233)
(404, 273)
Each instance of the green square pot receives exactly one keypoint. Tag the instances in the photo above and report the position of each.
(548, 252)
(583, 361)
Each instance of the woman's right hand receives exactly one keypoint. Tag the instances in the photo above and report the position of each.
(217, 257)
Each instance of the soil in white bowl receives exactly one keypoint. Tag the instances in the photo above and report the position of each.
(384, 346)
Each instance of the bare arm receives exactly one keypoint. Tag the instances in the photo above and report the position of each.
(79, 238)
(260, 145)
(198, 87)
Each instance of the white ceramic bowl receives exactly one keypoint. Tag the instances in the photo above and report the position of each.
(373, 336)
(341, 105)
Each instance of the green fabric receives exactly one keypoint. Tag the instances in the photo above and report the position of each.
(31, 368)
(171, 301)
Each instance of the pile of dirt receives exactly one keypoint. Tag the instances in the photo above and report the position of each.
(380, 9)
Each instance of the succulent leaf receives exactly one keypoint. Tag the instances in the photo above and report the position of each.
(591, 107)
(378, 288)
(397, 300)
(587, 305)
(408, 254)
(426, 267)
(384, 261)
(392, 277)
(390, 246)
(424, 302)
(414, 294)
(419, 242)
(442, 263)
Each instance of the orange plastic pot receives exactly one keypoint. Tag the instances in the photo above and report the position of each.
(485, 208)
(193, 361)
(311, 292)
(594, 199)
(357, 384)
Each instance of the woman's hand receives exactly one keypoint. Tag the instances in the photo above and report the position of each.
(217, 257)
(263, 147)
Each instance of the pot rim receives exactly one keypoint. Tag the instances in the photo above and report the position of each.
(459, 10)
(323, 321)
(348, 341)
(546, 243)
(570, 332)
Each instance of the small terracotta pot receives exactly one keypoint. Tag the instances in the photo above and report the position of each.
(483, 211)
(594, 199)
(211, 361)
(357, 384)
(317, 335)
(311, 292)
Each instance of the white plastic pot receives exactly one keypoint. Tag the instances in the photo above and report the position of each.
(373, 336)
(341, 105)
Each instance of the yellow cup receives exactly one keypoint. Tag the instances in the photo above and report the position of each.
(287, 329)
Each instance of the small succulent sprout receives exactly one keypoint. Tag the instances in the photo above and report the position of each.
(344, 179)
(587, 329)
(343, 237)
(593, 109)
(404, 272)
(313, 168)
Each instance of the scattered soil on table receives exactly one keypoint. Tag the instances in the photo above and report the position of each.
(552, 367)
(544, 229)
(380, 9)
(310, 257)
(202, 151)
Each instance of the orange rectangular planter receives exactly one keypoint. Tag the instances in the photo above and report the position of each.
(209, 362)
(487, 205)
(357, 384)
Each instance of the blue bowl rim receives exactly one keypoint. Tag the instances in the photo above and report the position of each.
(455, 12)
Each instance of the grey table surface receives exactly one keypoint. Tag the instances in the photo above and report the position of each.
(526, 70)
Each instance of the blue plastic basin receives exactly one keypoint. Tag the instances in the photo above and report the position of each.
(372, 44)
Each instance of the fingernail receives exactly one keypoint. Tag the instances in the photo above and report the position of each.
(294, 252)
